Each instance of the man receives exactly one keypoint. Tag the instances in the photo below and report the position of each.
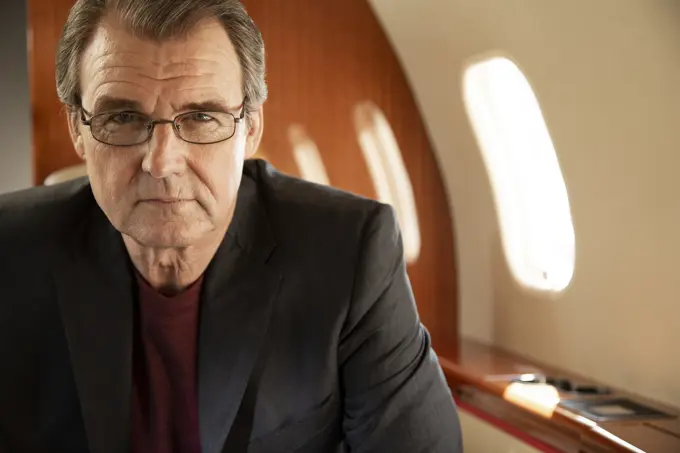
(181, 300)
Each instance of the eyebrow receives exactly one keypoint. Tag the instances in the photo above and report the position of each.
(108, 103)
(208, 106)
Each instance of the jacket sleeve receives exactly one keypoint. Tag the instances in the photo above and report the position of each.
(395, 396)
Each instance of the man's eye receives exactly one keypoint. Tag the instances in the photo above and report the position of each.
(123, 118)
(200, 117)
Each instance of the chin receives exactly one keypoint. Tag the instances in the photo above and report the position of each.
(162, 228)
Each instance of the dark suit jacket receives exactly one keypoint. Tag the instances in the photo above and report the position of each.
(309, 339)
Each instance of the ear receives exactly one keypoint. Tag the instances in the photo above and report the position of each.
(74, 130)
(254, 124)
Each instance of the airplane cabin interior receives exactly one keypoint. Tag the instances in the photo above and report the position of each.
(527, 147)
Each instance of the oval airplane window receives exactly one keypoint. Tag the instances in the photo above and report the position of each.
(529, 190)
(307, 156)
(388, 172)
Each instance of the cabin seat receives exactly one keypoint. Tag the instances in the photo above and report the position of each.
(66, 174)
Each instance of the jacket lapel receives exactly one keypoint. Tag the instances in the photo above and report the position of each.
(242, 283)
(95, 294)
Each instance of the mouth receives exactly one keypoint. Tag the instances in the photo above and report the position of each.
(166, 200)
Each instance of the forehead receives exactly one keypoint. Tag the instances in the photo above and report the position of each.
(201, 66)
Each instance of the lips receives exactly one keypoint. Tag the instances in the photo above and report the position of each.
(166, 200)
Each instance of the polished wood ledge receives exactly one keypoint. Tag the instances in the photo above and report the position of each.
(481, 378)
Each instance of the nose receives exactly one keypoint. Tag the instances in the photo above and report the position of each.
(166, 155)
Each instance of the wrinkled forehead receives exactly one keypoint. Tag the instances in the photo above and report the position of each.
(200, 67)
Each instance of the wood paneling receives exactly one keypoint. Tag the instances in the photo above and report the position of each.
(323, 57)
(52, 149)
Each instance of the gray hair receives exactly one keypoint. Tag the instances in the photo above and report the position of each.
(159, 21)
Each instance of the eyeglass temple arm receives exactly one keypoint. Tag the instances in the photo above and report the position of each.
(243, 110)
(83, 120)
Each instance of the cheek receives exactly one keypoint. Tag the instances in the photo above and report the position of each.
(220, 170)
(111, 172)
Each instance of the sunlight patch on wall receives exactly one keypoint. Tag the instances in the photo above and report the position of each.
(529, 190)
(307, 156)
(388, 173)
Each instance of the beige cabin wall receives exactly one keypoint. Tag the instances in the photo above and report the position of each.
(607, 75)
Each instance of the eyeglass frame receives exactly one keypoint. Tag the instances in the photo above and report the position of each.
(152, 124)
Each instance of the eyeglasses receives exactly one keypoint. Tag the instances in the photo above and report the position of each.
(129, 128)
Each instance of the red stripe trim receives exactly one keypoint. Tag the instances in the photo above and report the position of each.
(506, 427)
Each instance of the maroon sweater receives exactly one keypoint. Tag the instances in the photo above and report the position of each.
(164, 392)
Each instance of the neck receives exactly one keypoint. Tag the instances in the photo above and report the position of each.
(171, 270)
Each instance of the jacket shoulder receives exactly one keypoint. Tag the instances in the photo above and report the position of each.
(297, 201)
(317, 224)
(38, 213)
